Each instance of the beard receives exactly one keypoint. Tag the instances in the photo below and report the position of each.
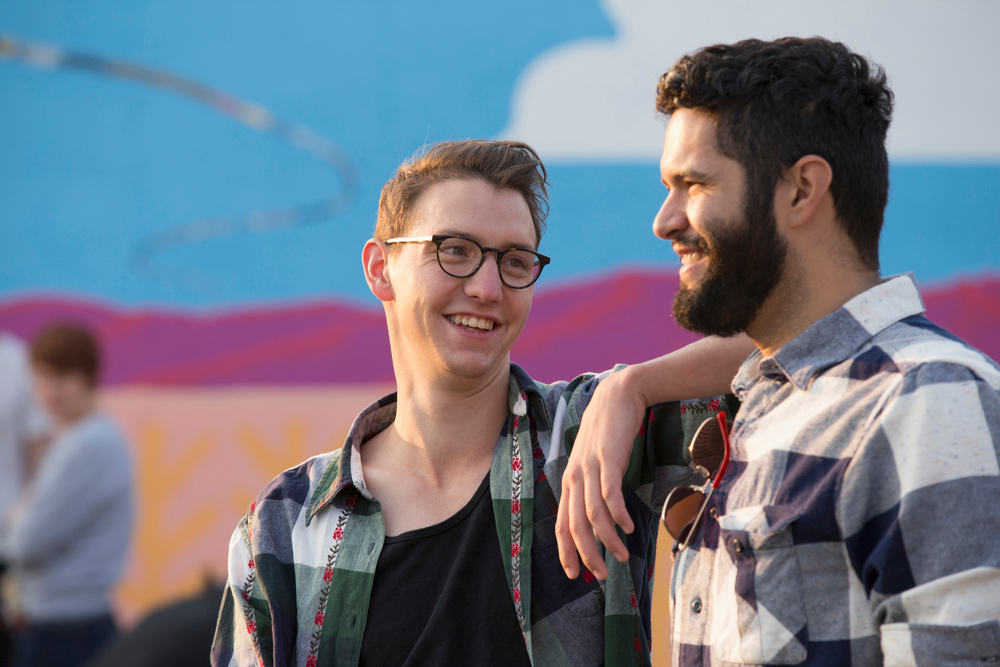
(746, 259)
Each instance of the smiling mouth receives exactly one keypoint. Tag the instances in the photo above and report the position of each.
(691, 257)
(471, 323)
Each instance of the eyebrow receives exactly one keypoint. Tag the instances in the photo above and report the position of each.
(526, 245)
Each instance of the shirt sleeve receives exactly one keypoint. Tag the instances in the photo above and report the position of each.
(663, 441)
(243, 632)
(918, 508)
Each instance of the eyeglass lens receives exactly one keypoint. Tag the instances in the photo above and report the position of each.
(460, 258)
(684, 505)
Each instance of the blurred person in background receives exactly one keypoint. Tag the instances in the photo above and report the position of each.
(68, 535)
(23, 431)
(428, 538)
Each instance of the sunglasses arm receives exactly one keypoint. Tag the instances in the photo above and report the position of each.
(725, 451)
(709, 490)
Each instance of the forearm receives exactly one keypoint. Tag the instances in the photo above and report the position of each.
(703, 368)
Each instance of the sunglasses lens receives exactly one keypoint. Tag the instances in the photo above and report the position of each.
(681, 508)
(707, 447)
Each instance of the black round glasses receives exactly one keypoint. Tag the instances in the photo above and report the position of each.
(460, 257)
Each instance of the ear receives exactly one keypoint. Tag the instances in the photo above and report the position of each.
(803, 189)
(375, 257)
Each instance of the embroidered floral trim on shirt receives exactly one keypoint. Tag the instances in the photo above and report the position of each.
(312, 658)
(248, 612)
(515, 517)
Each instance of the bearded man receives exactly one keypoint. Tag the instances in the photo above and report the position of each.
(857, 523)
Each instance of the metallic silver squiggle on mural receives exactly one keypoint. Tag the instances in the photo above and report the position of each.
(251, 115)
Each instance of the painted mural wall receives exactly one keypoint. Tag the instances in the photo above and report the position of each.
(196, 180)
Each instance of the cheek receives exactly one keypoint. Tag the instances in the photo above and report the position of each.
(51, 398)
(78, 394)
(522, 306)
(702, 210)
(44, 389)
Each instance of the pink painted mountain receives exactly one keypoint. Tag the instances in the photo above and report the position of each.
(583, 326)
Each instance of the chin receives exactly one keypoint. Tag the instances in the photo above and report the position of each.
(471, 369)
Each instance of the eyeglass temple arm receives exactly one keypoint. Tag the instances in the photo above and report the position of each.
(725, 449)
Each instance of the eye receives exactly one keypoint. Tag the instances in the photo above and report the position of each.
(458, 250)
(695, 185)
(453, 250)
(519, 262)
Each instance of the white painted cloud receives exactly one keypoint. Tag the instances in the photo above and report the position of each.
(593, 100)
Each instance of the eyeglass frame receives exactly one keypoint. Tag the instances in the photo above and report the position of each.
(708, 489)
(438, 239)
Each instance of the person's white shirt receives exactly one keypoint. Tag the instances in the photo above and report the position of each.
(21, 420)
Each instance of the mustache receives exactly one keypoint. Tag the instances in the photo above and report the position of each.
(692, 242)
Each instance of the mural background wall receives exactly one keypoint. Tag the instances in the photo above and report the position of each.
(196, 181)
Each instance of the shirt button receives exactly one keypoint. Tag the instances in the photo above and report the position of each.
(737, 545)
(713, 513)
(696, 605)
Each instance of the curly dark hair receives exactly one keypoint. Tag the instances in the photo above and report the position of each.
(774, 102)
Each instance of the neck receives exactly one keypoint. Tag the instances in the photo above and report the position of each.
(446, 424)
(809, 291)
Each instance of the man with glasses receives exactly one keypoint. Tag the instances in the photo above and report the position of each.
(428, 539)
(858, 521)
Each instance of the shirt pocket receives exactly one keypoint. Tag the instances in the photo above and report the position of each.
(760, 615)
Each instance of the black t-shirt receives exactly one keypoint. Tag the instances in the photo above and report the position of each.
(440, 596)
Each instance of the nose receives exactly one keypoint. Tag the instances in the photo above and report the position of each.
(485, 283)
(671, 220)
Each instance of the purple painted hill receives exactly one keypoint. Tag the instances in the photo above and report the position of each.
(583, 326)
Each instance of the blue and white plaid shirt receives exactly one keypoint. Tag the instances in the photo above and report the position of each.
(859, 523)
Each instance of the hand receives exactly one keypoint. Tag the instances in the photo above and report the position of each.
(592, 503)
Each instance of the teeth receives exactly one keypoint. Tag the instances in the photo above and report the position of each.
(472, 322)
(691, 257)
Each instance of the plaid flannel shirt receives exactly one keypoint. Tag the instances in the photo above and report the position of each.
(302, 561)
(859, 522)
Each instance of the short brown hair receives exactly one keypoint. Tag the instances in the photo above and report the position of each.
(502, 164)
(66, 348)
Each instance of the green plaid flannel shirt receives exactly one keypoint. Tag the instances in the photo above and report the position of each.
(302, 560)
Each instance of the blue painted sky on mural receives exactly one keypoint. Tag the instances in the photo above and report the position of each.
(95, 165)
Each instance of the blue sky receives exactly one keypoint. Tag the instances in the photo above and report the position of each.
(95, 165)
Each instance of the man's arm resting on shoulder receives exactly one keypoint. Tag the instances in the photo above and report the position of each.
(242, 636)
(591, 500)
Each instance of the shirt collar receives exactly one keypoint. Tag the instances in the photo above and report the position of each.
(345, 472)
(834, 338)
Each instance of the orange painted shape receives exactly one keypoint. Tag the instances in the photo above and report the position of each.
(201, 456)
